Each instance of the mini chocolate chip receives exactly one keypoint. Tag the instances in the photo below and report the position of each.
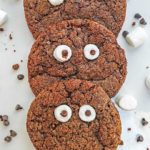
(143, 22)
(10, 37)
(7, 139)
(88, 113)
(64, 113)
(15, 66)
(133, 24)
(137, 16)
(121, 143)
(14, 51)
(21, 61)
(144, 122)
(140, 138)
(125, 33)
(18, 107)
(13, 133)
(129, 129)
(1, 29)
(6, 123)
(4, 117)
(20, 77)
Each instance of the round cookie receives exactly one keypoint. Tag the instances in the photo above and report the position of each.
(45, 64)
(41, 13)
(48, 133)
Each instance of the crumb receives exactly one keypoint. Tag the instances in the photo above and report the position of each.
(1, 29)
(14, 50)
(147, 67)
(21, 60)
(133, 24)
(13, 133)
(143, 22)
(15, 66)
(129, 129)
(18, 107)
(144, 122)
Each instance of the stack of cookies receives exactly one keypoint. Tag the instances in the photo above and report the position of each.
(75, 66)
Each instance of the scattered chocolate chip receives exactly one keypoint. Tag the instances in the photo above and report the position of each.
(14, 50)
(4, 117)
(129, 129)
(143, 22)
(137, 16)
(6, 123)
(125, 33)
(10, 36)
(144, 122)
(13, 133)
(15, 66)
(7, 139)
(140, 138)
(133, 24)
(18, 107)
(20, 77)
(21, 60)
(1, 118)
(1, 29)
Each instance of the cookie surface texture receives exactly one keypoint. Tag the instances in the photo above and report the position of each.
(41, 13)
(48, 133)
(79, 49)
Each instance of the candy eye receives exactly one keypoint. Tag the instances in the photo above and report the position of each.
(87, 113)
(56, 2)
(63, 113)
(62, 53)
(91, 51)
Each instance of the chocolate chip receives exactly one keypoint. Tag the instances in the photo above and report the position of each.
(137, 16)
(13, 133)
(20, 77)
(6, 123)
(1, 118)
(1, 29)
(125, 33)
(10, 37)
(15, 66)
(144, 122)
(140, 138)
(7, 139)
(18, 107)
(133, 24)
(4, 117)
(129, 129)
(143, 22)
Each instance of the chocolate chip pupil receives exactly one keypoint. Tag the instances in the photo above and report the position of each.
(64, 113)
(92, 52)
(88, 113)
(64, 53)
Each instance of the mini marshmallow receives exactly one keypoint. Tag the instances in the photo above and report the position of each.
(3, 17)
(82, 113)
(127, 102)
(58, 110)
(56, 2)
(87, 51)
(137, 37)
(58, 53)
(147, 82)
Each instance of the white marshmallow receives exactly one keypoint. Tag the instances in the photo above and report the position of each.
(82, 113)
(58, 110)
(56, 2)
(3, 17)
(127, 102)
(87, 51)
(147, 82)
(58, 53)
(137, 37)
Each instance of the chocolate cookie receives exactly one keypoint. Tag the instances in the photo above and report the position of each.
(41, 13)
(80, 49)
(73, 115)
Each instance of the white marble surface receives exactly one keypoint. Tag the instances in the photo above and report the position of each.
(13, 91)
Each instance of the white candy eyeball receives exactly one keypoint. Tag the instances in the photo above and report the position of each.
(87, 113)
(91, 51)
(62, 53)
(56, 2)
(63, 113)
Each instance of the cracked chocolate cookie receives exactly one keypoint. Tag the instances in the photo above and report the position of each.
(73, 115)
(80, 49)
(41, 13)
